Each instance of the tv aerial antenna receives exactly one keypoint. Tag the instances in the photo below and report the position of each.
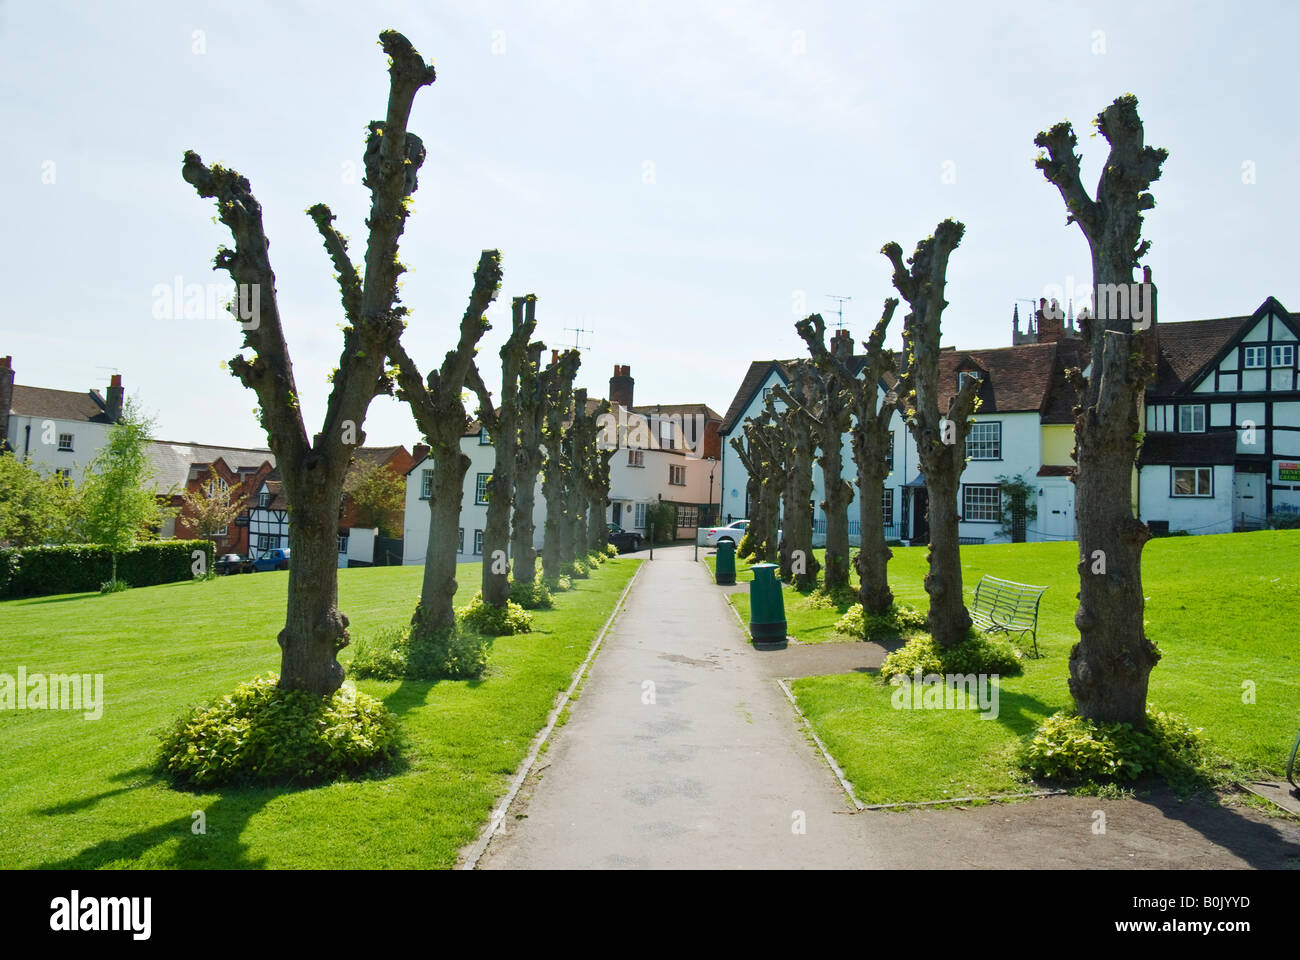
(578, 333)
(839, 323)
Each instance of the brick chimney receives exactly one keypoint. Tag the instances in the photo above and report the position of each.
(116, 395)
(841, 344)
(555, 356)
(1050, 321)
(620, 386)
(6, 396)
(419, 452)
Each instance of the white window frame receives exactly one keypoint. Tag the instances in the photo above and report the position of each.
(638, 516)
(460, 546)
(977, 444)
(426, 484)
(480, 489)
(1197, 472)
(1283, 350)
(264, 499)
(1254, 357)
(267, 542)
(484, 438)
(636, 458)
(343, 543)
(887, 505)
(65, 442)
(973, 509)
(1191, 409)
(965, 375)
(478, 543)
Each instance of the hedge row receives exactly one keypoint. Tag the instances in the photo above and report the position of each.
(82, 567)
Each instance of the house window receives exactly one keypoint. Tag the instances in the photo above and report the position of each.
(460, 542)
(1191, 419)
(965, 375)
(677, 476)
(478, 542)
(638, 521)
(1253, 357)
(688, 516)
(981, 502)
(889, 457)
(481, 489)
(984, 442)
(636, 458)
(65, 442)
(666, 435)
(1192, 481)
(484, 438)
(220, 534)
(426, 484)
(887, 505)
(64, 472)
(264, 499)
(267, 541)
(343, 543)
(1284, 355)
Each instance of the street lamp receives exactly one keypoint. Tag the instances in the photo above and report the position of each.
(713, 461)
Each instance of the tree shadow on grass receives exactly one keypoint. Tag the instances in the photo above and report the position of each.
(1021, 713)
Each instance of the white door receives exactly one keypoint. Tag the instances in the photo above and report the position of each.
(1247, 500)
(1056, 512)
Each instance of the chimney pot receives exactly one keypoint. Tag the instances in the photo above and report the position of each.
(116, 397)
(621, 386)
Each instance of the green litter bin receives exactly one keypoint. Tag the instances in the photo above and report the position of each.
(724, 574)
(766, 605)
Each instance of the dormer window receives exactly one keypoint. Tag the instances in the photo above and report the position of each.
(965, 375)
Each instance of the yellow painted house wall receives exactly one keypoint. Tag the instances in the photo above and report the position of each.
(1058, 441)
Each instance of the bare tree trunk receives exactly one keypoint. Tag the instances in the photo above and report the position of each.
(1110, 666)
(528, 464)
(557, 550)
(439, 410)
(940, 438)
(502, 424)
(313, 470)
(798, 564)
(598, 497)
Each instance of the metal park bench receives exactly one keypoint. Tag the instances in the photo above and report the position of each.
(1003, 606)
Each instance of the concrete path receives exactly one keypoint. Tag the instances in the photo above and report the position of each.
(716, 772)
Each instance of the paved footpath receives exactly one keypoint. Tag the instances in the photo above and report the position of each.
(717, 772)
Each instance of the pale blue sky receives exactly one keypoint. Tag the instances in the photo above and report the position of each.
(788, 143)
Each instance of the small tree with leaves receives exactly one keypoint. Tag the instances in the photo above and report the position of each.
(35, 509)
(313, 468)
(378, 495)
(118, 498)
(211, 507)
(940, 435)
(1111, 664)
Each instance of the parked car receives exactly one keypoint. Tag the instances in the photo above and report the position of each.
(626, 541)
(277, 559)
(732, 532)
(233, 563)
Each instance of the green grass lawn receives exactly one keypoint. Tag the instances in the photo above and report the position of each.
(77, 793)
(1222, 609)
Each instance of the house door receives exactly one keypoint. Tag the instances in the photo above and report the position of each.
(1056, 515)
(1248, 508)
(920, 515)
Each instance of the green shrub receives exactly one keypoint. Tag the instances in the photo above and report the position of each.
(899, 621)
(491, 621)
(611, 550)
(455, 654)
(114, 586)
(595, 559)
(262, 734)
(746, 546)
(976, 654)
(530, 596)
(560, 584)
(84, 568)
(578, 570)
(1068, 748)
(823, 599)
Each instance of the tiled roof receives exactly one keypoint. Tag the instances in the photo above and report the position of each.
(1186, 348)
(172, 462)
(87, 406)
(1214, 448)
(1018, 377)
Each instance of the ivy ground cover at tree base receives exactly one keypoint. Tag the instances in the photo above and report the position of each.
(1222, 609)
(81, 793)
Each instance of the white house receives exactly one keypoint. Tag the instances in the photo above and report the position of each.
(1222, 444)
(59, 430)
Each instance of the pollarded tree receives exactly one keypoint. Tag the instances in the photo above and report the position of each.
(528, 463)
(582, 436)
(798, 564)
(557, 550)
(502, 424)
(871, 435)
(763, 457)
(830, 420)
(438, 405)
(313, 469)
(1111, 664)
(593, 478)
(940, 435)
